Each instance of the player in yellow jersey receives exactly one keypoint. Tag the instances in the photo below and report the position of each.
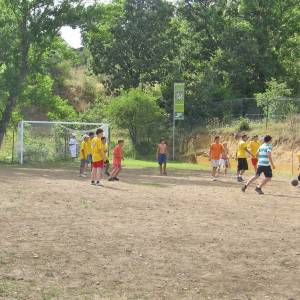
(83, 155)
(241, 156)
(253, 146)
(98, 157)
(89, 159)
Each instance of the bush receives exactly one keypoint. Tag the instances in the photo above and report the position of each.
(243, 124)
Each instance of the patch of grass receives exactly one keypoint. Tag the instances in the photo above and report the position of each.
(140, 164)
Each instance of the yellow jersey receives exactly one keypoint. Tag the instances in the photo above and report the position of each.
(253, 147)
(97, 149)
(83, 150)
(241, 151)
(89, 145)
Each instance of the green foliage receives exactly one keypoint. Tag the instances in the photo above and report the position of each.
(275, 101)
(134, 45)
(139, 113)
(243, 124)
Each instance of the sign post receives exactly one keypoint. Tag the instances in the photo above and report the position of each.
(178, 108)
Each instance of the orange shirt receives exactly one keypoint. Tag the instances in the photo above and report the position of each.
(117, 154)
(216, 151)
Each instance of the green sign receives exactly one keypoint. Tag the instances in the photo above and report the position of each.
(179, 101)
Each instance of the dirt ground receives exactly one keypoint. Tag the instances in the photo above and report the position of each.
(146, 237)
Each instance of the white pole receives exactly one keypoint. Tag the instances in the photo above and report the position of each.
(173, 156)
(22, 143)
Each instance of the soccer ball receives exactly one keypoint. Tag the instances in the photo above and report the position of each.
(294, 182)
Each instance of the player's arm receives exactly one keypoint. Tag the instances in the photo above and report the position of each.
(157, 151)
(249, 152)
(271, 160)
(209, 154)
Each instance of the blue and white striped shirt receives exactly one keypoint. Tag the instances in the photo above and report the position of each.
(263, 159)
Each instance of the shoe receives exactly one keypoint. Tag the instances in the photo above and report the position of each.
(244, 188)
(240, 179)
(111, 179)
(116, 179)
(259, 191)
(83, 175)
(93, 183)
(99, 184)
(214, 179)
(165, 174)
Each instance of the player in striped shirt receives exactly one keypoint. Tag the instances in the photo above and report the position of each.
(265, 165)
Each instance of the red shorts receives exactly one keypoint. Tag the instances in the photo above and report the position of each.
(117, 163)
(98, 164)
(254, 162)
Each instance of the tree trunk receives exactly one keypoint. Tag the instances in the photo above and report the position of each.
(12, 100)
(21, 72)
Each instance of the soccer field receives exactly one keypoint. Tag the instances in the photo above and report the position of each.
(146, 237)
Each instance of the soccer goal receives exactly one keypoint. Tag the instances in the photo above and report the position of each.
(42, 141)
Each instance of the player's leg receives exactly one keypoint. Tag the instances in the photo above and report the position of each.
(93, 175)
(268, 176)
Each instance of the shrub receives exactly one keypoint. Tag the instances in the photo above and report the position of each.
(243, 124)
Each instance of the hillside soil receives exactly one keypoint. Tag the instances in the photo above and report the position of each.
(146, 237)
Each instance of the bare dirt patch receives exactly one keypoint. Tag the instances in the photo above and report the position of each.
(146, 237)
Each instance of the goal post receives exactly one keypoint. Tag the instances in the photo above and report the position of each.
(48, 140)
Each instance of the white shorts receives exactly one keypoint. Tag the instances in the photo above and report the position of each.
(215, 163)
(224, 163)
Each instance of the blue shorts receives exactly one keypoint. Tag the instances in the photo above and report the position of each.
(162, 159)
(89, 159)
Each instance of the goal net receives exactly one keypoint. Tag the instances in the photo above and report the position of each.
(42, 141)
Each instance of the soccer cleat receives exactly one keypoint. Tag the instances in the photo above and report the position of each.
(83, 175)
(244, 188)
(116, 179)
(93, 183)
(239, 179)
(111, 179)
(99, 184)
(259, 191)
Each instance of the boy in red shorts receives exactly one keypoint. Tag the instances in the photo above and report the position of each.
(117, 161)
(98, 157)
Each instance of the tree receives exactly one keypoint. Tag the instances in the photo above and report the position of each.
(275, 101)
(135, 45)
(138, 112)
(27, 28)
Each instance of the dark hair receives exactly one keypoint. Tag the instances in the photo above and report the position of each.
(255, 136)
(99, 130)
(103, 138)
(162, 139)
(91, 133)
(217, 137)
(267, 138)
(120, 141)
(244, 135)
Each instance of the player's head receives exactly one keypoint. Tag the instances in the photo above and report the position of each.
(103, 139)
(244, 137)
(255, 138)
(99, 132)
(85, 137)
(162, 141)
(217, 139)
(267, 139)
(121, 142)
(225, 144)
(73, 135)
(91, 134)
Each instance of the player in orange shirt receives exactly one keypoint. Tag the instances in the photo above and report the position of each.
(117, 161)
(215, 151)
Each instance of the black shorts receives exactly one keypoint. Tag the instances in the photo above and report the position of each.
(242, 164)
(266, 170)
